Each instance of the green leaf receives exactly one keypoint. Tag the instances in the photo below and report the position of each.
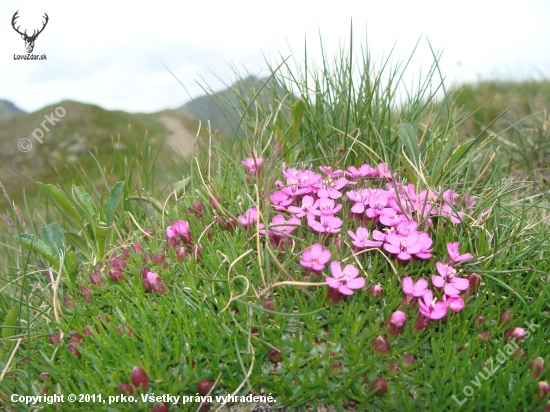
(52, 235)
(77, 242)
(72, 266)
(180, 186)
(9, 326)
(297, 114)
(85, 201)
(60, 200)
(113, 202)
(34, 243)
(408, 137)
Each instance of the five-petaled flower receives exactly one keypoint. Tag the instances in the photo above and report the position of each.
(344, 280)
(315, 257)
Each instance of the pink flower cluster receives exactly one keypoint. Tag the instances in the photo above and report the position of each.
(447, 283)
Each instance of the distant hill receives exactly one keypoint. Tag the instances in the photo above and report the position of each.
(218, 107)
(8, 109)
(83, 128)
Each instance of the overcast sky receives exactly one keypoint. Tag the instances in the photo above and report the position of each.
(112, 52)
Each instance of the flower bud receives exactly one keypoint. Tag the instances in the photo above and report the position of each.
(196, 252)
(215, 202)
(86, 293)
(516, 334)
(74, 350)
(380, 385)
(55, 339)
(381, 345)
(159, 258)
(475, 280)
(396, 323)
(182, 253)
(68, 301)
(125, 389)
(149, 257)
(334, 295)
(505, 317)
(88, 331)
(537, 366)
(205, 386)
(269, 305)
(408, 360)
(136, 246)
(338, 244)
(408, 301)
(96, 280)
(149, 234)
(161, 407)
(394, 369)
(336, 367)
(520, 355)
(484, 335)
(543, 389)
(139, 378)
(75, 337)
(143, 271)
(204, 406)
(116, 275)
(197, 208)
(376, 291)
(422, 322)
(125, 329)
(274, 355)
(480, 319)
(125, 254)
(155, 282)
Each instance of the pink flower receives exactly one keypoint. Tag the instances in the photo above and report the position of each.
(411, 289)
(253, 165)
(331, 188)
(406, 227)
(170, 232)
(378, 201)
(328, 224)
(154, 282)
(447, 280)
(396, 323)
(384, 171)
(403, 246)
(325, 207)
(426, 241)
(250, 217)
(455, 303)
(307, 204)
(452, 248)
(389, 217)
(361, 239)
(181, 227)
(344, 280)
(315, 257)
(361, 199)
(279, 224)
(430, 308)
(280, 199)
(364, 170)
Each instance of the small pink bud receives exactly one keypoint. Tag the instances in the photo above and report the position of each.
(338, 244)
(155, 281)
(230, 224)
(147, 285)
(204, 406)
(422, 323)
(149, 257)
(520, 355)
(125, 254)
(75, 337)
(139, 378)
(159, 258)
(215, 202)
(149, 235)
(381, 345)
(161, 407)
(396, 323)
(377, 291)
(543, 389)
(126, 389)
(380, 385)
(537, 366)
(68, 301)
(104, 318)
(331, 354)
(96, 280)
(182, 253)
(116, 275)
(269, 305)
(45, 376)
(74, 350)
(125, 329)
(475, 280)
(136, 246)
(120, 263)
(143, 271)
(88, 331)
(254, 330)
(336, 367)
(274, 355)
(516, 334)
(505, 317)
(334, 295)
(394, 369)
(408, 360)
(408, 301)
(204, 386)
(484, 335)
(86, 293)
(197, 208)
(480, 319)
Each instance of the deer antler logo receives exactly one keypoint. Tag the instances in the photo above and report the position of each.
(29, 40)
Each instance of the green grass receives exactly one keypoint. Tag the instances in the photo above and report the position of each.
(211, 324)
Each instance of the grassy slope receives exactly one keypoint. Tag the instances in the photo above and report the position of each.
(206, 325)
